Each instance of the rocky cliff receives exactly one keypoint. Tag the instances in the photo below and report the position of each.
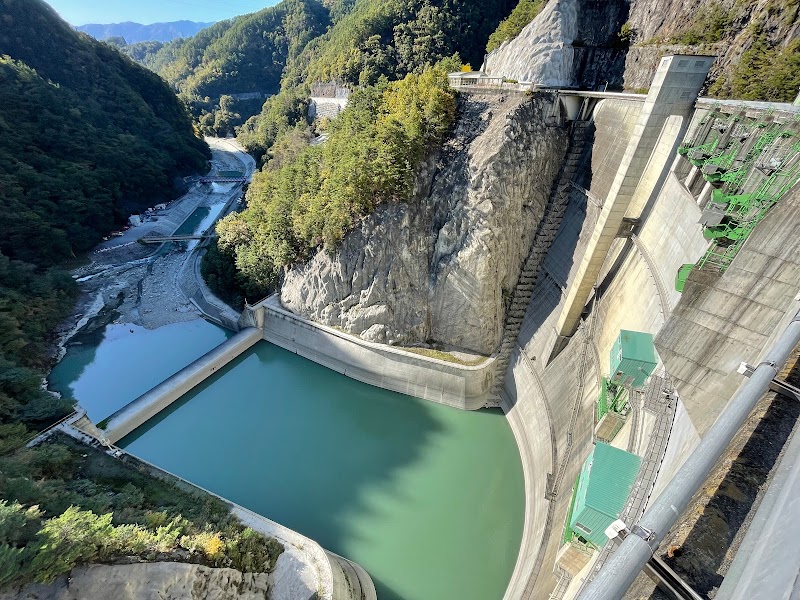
(569, 43)
(166, 581)
(441, 268)
(582, 43)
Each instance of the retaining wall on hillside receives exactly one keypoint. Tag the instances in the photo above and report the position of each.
(460, 386)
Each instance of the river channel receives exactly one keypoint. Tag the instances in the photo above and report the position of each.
(427, 498)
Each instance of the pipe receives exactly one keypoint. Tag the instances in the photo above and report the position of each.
(624, 565)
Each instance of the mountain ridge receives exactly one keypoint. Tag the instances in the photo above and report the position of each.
(134, 32)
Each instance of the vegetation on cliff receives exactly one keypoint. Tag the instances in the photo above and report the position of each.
(309, 197)
(371, 41)
(764, 72)
(757, 45)
(63, 504)
(509, 28)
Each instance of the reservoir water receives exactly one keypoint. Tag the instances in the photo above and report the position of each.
(427, 498)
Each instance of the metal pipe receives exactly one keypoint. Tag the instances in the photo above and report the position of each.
(623, 566)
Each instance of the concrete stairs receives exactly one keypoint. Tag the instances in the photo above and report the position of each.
(543, 239)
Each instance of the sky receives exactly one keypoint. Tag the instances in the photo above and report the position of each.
(81, 12)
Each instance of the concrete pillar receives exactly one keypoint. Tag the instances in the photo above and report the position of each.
(705, 195)
(674, 90)
(692, 177)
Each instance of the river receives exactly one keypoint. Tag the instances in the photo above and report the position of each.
(427, 498)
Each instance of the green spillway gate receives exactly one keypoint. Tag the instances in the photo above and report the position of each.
(755, 163)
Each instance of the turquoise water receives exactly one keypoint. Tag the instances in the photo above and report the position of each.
(128, 361)
(427, 498)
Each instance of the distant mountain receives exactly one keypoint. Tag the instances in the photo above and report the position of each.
(136, 32)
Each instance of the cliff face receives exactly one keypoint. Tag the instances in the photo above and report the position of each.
(569, 43)
(440, 267)
(577, 42)
(737, 25)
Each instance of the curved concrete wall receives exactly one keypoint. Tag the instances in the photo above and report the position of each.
(305, 570)
(131, 416)
(460, 386)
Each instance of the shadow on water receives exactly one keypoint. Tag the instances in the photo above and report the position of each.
(348, 465)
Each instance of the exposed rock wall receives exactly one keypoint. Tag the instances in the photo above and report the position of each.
(166, 581)
(569, 43)
(542, 52)
(577, 43)
(441, 267)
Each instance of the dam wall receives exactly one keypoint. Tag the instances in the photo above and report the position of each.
(551, 391)
(149, 404)
(460, 386)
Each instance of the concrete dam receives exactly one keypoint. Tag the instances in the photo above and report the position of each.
(658, 254)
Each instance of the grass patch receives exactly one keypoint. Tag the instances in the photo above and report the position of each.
(446, 356)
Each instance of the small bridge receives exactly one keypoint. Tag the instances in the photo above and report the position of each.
(174, 238)
(241, 179)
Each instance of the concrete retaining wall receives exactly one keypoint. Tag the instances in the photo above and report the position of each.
(326, 107)
(460, 386)
(131, 416)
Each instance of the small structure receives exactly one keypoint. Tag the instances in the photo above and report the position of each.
(474, 79)
(135, 220)
(604, 485)
(633, 358)
(612, 410)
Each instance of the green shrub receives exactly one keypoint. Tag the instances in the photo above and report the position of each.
(73, 537)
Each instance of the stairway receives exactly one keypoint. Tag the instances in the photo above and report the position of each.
(543, 239)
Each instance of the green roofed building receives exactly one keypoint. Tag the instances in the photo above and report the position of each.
(604, 485)
(633, 358)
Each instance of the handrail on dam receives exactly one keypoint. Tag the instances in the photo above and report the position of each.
(635, 551)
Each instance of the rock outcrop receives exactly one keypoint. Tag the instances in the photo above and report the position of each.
(542, 52)
(165, 580)
(569, 43)
(441, 267)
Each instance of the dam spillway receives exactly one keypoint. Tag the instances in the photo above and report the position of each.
(428, 499)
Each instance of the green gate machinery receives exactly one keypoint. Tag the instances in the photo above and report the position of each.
(752, 162)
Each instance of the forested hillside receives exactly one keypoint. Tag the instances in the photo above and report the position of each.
(239, 56)
(373, 40)
(86, 137)
(311, 196)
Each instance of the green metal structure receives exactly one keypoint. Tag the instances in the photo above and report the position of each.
(613, 398)
(754, 161)
(605, 483)
(682, 276)
(633, 358)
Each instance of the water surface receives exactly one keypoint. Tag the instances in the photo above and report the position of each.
(427, 498)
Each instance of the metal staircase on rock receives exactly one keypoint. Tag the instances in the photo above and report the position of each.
(543, 239)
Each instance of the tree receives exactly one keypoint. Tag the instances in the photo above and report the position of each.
(74, 536)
